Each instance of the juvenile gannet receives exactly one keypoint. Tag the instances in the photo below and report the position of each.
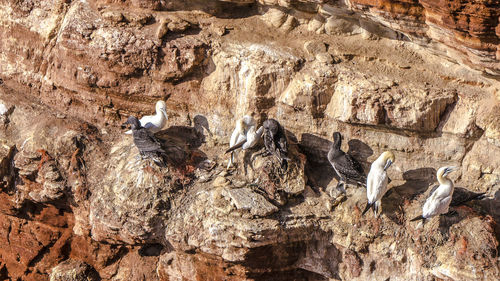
(439, 201)
(154, 123)
(376, 184)
(147, 144)
(275, 141)
(244, 136)
(346, 167)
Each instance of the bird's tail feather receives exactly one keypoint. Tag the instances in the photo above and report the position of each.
(418, 218)
(236, 146)
(368, 206)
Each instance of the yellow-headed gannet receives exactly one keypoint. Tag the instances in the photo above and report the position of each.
(376, 184)
(439, 201)
(154, 123)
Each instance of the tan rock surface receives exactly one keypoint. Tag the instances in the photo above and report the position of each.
(70, 270)
(389, 75)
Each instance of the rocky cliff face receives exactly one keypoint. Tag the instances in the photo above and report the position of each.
(420, 78)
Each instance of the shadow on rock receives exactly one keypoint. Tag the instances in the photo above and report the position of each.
(183, 136)
(181, 143)
(467, 204)
(151, 250)
(319, 171)
(492, 207)
(417, 182)
(360, 151)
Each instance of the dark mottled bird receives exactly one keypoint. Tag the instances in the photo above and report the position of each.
(275, 141)
(346, 167)
(147, 144)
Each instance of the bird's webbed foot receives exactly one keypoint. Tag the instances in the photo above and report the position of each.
(341, 185)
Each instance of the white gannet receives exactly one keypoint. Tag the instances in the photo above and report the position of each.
(376, 183)
(244, 136)
(154, 123)
(440, 199)
(346, 167)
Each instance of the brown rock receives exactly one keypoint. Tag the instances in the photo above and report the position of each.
(314, 47)
(384, 102)
(246, 199)
(70, 180)
(131, 204)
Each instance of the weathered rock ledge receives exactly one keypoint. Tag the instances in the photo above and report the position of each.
(417, 77)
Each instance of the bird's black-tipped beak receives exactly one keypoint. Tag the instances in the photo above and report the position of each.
(126, 125)
(387, 164)
(449, 170)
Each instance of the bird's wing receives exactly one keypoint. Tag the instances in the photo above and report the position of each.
(370, 187)
(252, 140)
(444, 204)
(149, 126)
(351, 168)
(383, 185)
(430, 207)
(376, 185)
(146, 119)
(436, 204)
(260, 131)
(236, 137)
(433, 189)
(146, 142)
(354, 164)
(236, 146)
(283, 144)
(380, 185)
(269, 142)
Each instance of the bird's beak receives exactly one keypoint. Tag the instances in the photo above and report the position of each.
(387, 164)
(449, 170)
(124, 125)
(164, 113)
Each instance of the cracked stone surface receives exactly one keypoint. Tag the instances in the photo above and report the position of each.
(419, 78)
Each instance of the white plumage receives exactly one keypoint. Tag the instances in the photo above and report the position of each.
(376, 183)
(244, 135)
(439, 201)
(154, 123)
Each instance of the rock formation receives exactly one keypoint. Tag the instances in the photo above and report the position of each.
(418, 77)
